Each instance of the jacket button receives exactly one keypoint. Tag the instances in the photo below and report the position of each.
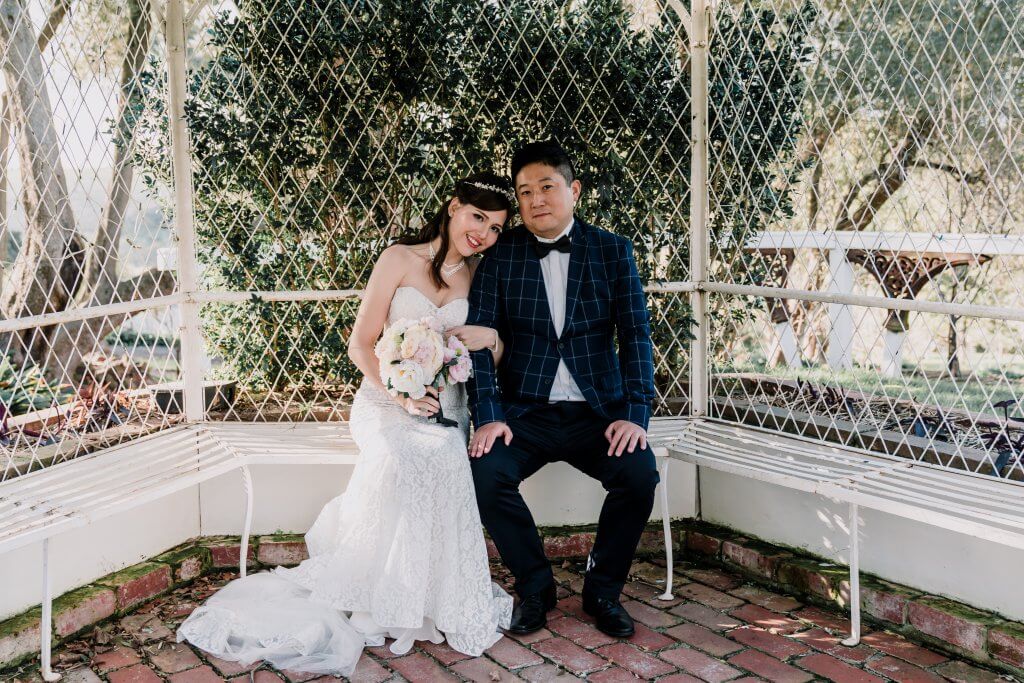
(561, 345)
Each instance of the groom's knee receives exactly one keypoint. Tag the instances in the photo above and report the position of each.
(493, 473)
(639, 475)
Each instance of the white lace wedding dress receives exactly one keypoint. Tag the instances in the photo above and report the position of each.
(400, 554)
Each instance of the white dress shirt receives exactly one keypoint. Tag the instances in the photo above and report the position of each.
(555, 268)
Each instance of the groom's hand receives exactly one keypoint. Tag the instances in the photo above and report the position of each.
(485, 437)
(624, 435)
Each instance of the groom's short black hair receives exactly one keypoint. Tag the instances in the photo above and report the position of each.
(547, 152)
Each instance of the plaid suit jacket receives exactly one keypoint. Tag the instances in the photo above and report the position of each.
(604, 302)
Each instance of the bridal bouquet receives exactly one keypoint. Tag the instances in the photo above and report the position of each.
(414, 355)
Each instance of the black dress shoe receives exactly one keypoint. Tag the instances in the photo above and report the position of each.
(610, 617)
(531, 614)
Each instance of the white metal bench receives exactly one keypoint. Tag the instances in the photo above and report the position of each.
(37, 506)
(979, 505)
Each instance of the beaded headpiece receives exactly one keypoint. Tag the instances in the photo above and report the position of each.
(494, 188)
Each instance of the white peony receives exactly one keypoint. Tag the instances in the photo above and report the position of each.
(409, 377)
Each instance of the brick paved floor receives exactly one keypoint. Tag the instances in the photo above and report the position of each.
(718, 628)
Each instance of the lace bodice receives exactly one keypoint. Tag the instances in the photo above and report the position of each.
(410, 302)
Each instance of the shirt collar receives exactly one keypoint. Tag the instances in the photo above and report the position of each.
(568, 229)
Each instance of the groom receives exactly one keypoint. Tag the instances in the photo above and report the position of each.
(560, 292)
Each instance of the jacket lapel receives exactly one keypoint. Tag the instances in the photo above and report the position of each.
(577, 263)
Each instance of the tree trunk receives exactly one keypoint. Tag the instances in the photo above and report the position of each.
(45, 274)
(99, 279)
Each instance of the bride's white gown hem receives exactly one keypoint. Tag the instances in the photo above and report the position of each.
(399, 555)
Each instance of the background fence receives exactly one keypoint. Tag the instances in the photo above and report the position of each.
(192, 196)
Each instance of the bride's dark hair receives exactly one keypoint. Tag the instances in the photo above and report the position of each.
(484, 190)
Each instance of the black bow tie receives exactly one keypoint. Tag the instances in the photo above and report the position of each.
(562, 244)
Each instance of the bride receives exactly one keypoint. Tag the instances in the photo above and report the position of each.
(401, 553)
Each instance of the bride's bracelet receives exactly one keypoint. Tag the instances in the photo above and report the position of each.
(494, 346)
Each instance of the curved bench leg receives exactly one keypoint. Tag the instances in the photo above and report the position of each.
(667, 526)
(243, 547)
(854, 638)
(46, 622)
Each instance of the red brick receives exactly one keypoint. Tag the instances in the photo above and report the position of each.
(382, 651)
(902, 672)
(769, 668)
(885, 601)
(775, 645)
(299, 676)
(117, 658)
(227, 668)
(483, 670)
(638, 590)
(961, 672)
(261, 676)
(545, 672)
(809, 576)
(172, 657)
(698, 592)
(704, 639)
(203, 674)
(705, 616)
(821, 639)
(755, 557)
(897, 646)
(224, 554)
(419, 667)
(647, 639)
(137, 584)
(492, 550)
(772, 622)
(21, 638)
(699, 664)
(139, 673)
(826, 620)
(645, 614)
(368, 671)
(579, 632)
(834, 670)
(287, 552)
(642, 664)
(766, 599)
(530, 638)
(950, 622)
(572, 605)
(703, 544)
(1006, 643)
(571, 545)
(442, 652)
(685, 678)
(612, 674)
(716, 578)
(80, 608)
(512, 655)
(569, 655)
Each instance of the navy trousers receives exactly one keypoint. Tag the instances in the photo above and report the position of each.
(570, 432)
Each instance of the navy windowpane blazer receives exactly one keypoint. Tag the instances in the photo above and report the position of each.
(604, 302)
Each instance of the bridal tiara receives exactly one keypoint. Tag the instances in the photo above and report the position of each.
(494, 188)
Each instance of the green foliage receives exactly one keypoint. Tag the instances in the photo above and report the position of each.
(321, 129)
(27, 389)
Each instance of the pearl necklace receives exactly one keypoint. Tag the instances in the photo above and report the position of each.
(447, 270)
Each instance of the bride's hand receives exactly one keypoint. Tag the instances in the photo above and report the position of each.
(426, 406)
(475, 337)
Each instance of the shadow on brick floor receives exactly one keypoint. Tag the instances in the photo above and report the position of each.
(718, 628)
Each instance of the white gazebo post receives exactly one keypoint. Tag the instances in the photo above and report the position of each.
(191, 339)
(840, 334)
(785, 340)
(697, 27)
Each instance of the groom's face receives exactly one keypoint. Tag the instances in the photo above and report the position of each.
(546, 200)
